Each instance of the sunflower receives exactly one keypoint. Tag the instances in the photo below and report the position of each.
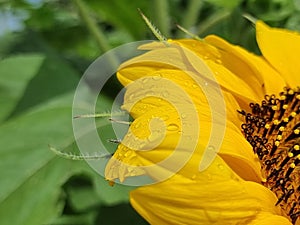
(252, 175)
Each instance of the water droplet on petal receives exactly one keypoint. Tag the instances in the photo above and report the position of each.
(155, 135)
(213, 215)
(142, 145)
(165, 117)
(210, 148)
(130, 169)
(221, 167)
(172, 127)
(183, 115)
(209, 176)
(145, 80)
(156, 77)
(218, 61)
(165, 94)
(150, 93)
(137, 125)
(131, 97)
(128, 153)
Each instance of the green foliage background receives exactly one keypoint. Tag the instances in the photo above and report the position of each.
(41, 61)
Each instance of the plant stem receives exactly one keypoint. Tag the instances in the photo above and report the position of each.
(211, 21)
(192, 13)
(96, 31)
(161, 18)
(92, 26)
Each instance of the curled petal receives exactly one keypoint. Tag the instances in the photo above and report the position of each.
(281, 48)
(214, 196)
(254, 70)
(268, 218)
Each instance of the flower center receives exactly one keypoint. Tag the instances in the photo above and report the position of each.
(273, 130)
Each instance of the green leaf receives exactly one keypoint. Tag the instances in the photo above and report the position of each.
(16, 72)
(271, 10)
(226, 4)
(81, 219)
(123, 14)
(32, 176)
(53, 78)
(111, 195)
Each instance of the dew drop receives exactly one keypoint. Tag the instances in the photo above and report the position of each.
(218, 61)
(165, 117)
(172, 127)
(188, 137)
(221, 167)
(150, 93)
(157, 77)
(131, 97)
(194, 86)
(210, 148)
(165, 94)
(194, 177)
(155, 135)
(183, 115)
(145, 80)
(137, 125)
(142, 145)
(213, 215)
(209, 176)
(133, 173)
(128, 153)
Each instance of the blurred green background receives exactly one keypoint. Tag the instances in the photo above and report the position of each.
(45, 47)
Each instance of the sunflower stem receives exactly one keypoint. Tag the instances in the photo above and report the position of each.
(97, 32)
(92, 26)
(191, 15)
(161, 15)
(211, 21)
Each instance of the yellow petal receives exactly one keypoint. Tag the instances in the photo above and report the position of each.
(256, 71)
(166, 120)
(281, 48)
(214, 196)
(238, 154)
(189, 58)
(267, 219)
(229, 59)
(176, 131)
